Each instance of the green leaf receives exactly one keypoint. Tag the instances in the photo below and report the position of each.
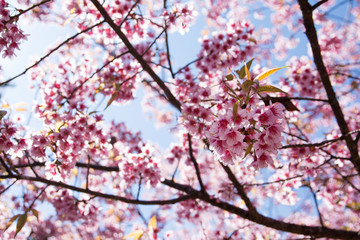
(241, 73)
(2, 113)
(235, 110)
(269, 88)
(36, 213)
(267, 73)
(229, 77)
(93, 112)
(247, 99)
(233, 96)
(20, 223)
(248, 150)
(11, 221)
(246, 85)
(252, 40)
(113, 97)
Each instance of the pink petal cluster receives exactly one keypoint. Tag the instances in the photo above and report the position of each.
(70, 209)
(142, 166)
(180, 17)
(304, 76)
(223, 49)
(10, 33)
(259, 128)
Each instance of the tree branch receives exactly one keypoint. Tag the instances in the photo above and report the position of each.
(306, 10)
(193, 160)
(316, 5)
(240, 188)
(98, 194)
(192, 193)
(263, 220)
(137, 56)
(28, 9)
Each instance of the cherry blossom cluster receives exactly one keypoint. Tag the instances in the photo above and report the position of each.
(119, 80)
(180, 17)
(10, 141)
(224, 120)
(72, 140)
(10, 33)
(191, 210)
(226, 49)
(142, 167)
(70, 209)
(258, 128)
(304, 77)
(253, 128)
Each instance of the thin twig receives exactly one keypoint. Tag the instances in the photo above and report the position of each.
(344, 177)
(139, 188)
(316, 203)
(168, 51)
(193, 160)
(87, 173)
(129, 12)
(240, 188)
(8, 187)
(52, 51)
(94, 73)
(171, 98)
(316, 5)
(272, 182)
(8, 170)
(33, 202)
(28, 9)
(326, 142)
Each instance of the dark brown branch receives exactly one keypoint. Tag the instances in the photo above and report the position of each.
(266, 221)
(171, 98)
(8, 187)
(311, 34)
(98, 194)
(193, 160)
(187, 65)
(277, 181)
(29, 9)
(240, 188)
(168, 51)
(192, 193)
(316, 5)
(129, 12)
(319, 144)
(316, 203)
(37, 197)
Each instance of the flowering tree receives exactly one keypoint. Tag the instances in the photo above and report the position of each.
(247, 144)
